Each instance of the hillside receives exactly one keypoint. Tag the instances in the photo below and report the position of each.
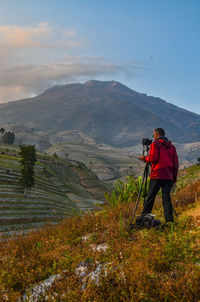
(107, 162)
(95, 257)
(108, 112)
(61, 189)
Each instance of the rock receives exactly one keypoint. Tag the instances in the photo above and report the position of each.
(100, 247)
(82, 271)
(86, 237)
(95, 275)
(35, 294)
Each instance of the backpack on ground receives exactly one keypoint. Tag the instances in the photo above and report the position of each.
(146, 221)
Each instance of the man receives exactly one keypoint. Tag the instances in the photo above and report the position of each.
(164, 169)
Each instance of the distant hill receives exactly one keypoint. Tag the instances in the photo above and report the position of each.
(62, 187)
(108, 111)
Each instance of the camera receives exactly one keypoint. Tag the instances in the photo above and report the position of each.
(146, 142)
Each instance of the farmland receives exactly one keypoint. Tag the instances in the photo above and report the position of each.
(62, 188)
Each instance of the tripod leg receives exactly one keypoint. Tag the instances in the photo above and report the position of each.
(140, 190)
(146, 179)
(174, 212)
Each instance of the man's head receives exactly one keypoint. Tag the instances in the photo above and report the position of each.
(158, 132)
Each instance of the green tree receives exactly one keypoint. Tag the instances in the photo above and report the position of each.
(2, 130)
(28, 159)
(8, 137)
(198, 160)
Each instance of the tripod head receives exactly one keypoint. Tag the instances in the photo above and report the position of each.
(145, 149)
(146, 145)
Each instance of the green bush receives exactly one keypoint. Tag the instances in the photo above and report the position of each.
(125, 192)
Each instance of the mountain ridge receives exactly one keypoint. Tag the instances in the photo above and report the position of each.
(108, 111)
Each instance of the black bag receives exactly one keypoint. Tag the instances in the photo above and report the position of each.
(146, 221)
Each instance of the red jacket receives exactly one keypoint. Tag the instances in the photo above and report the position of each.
(163, 159)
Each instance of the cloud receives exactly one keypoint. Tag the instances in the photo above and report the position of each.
(34, 58)
(17, 36)
(27, 80)
(25, 49)
(15, 40)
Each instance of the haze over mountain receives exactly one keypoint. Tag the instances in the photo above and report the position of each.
(107, 111)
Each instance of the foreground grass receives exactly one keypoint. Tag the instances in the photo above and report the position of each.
(145, 265)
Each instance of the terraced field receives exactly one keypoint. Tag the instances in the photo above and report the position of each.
(62, 188)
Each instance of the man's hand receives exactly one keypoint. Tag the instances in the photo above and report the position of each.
(142, 157)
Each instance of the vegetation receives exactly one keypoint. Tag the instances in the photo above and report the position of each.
(8, 137)
(2, 130)
(28, 159)
(126, 192)
(145, 265)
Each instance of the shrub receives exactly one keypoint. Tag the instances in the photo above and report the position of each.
(125, 192)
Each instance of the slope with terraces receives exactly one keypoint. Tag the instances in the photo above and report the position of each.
(62, 188)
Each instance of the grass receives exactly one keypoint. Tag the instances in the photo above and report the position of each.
(188, 175)
(144, 265)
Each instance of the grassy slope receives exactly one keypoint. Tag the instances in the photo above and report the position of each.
(145, 265)
(61, 188)
(188, 175)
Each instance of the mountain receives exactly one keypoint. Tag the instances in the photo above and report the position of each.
(107, 111)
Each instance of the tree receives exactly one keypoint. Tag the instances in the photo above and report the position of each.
(2, 130)
(8, 137)
(198, 160)
(28, 159)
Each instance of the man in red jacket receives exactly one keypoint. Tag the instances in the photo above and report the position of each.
(164, 169)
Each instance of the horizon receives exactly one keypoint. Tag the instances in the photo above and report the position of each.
(150, 47)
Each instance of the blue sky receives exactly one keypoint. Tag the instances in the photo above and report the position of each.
(151, 46)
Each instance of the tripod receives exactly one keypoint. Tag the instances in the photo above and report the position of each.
(144, 181)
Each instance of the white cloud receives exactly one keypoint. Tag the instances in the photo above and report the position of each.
(17, 36)
(17, 39)
(25, 80)
(30, 60)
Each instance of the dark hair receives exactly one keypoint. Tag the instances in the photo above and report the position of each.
(161, 131)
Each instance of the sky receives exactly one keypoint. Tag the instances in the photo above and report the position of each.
(151, 46)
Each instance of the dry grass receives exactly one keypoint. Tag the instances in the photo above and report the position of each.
(188, 195)
(145, 265)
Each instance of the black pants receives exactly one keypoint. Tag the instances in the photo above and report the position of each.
(154, 187)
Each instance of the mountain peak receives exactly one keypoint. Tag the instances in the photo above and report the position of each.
(98, 83)
(106, 84)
